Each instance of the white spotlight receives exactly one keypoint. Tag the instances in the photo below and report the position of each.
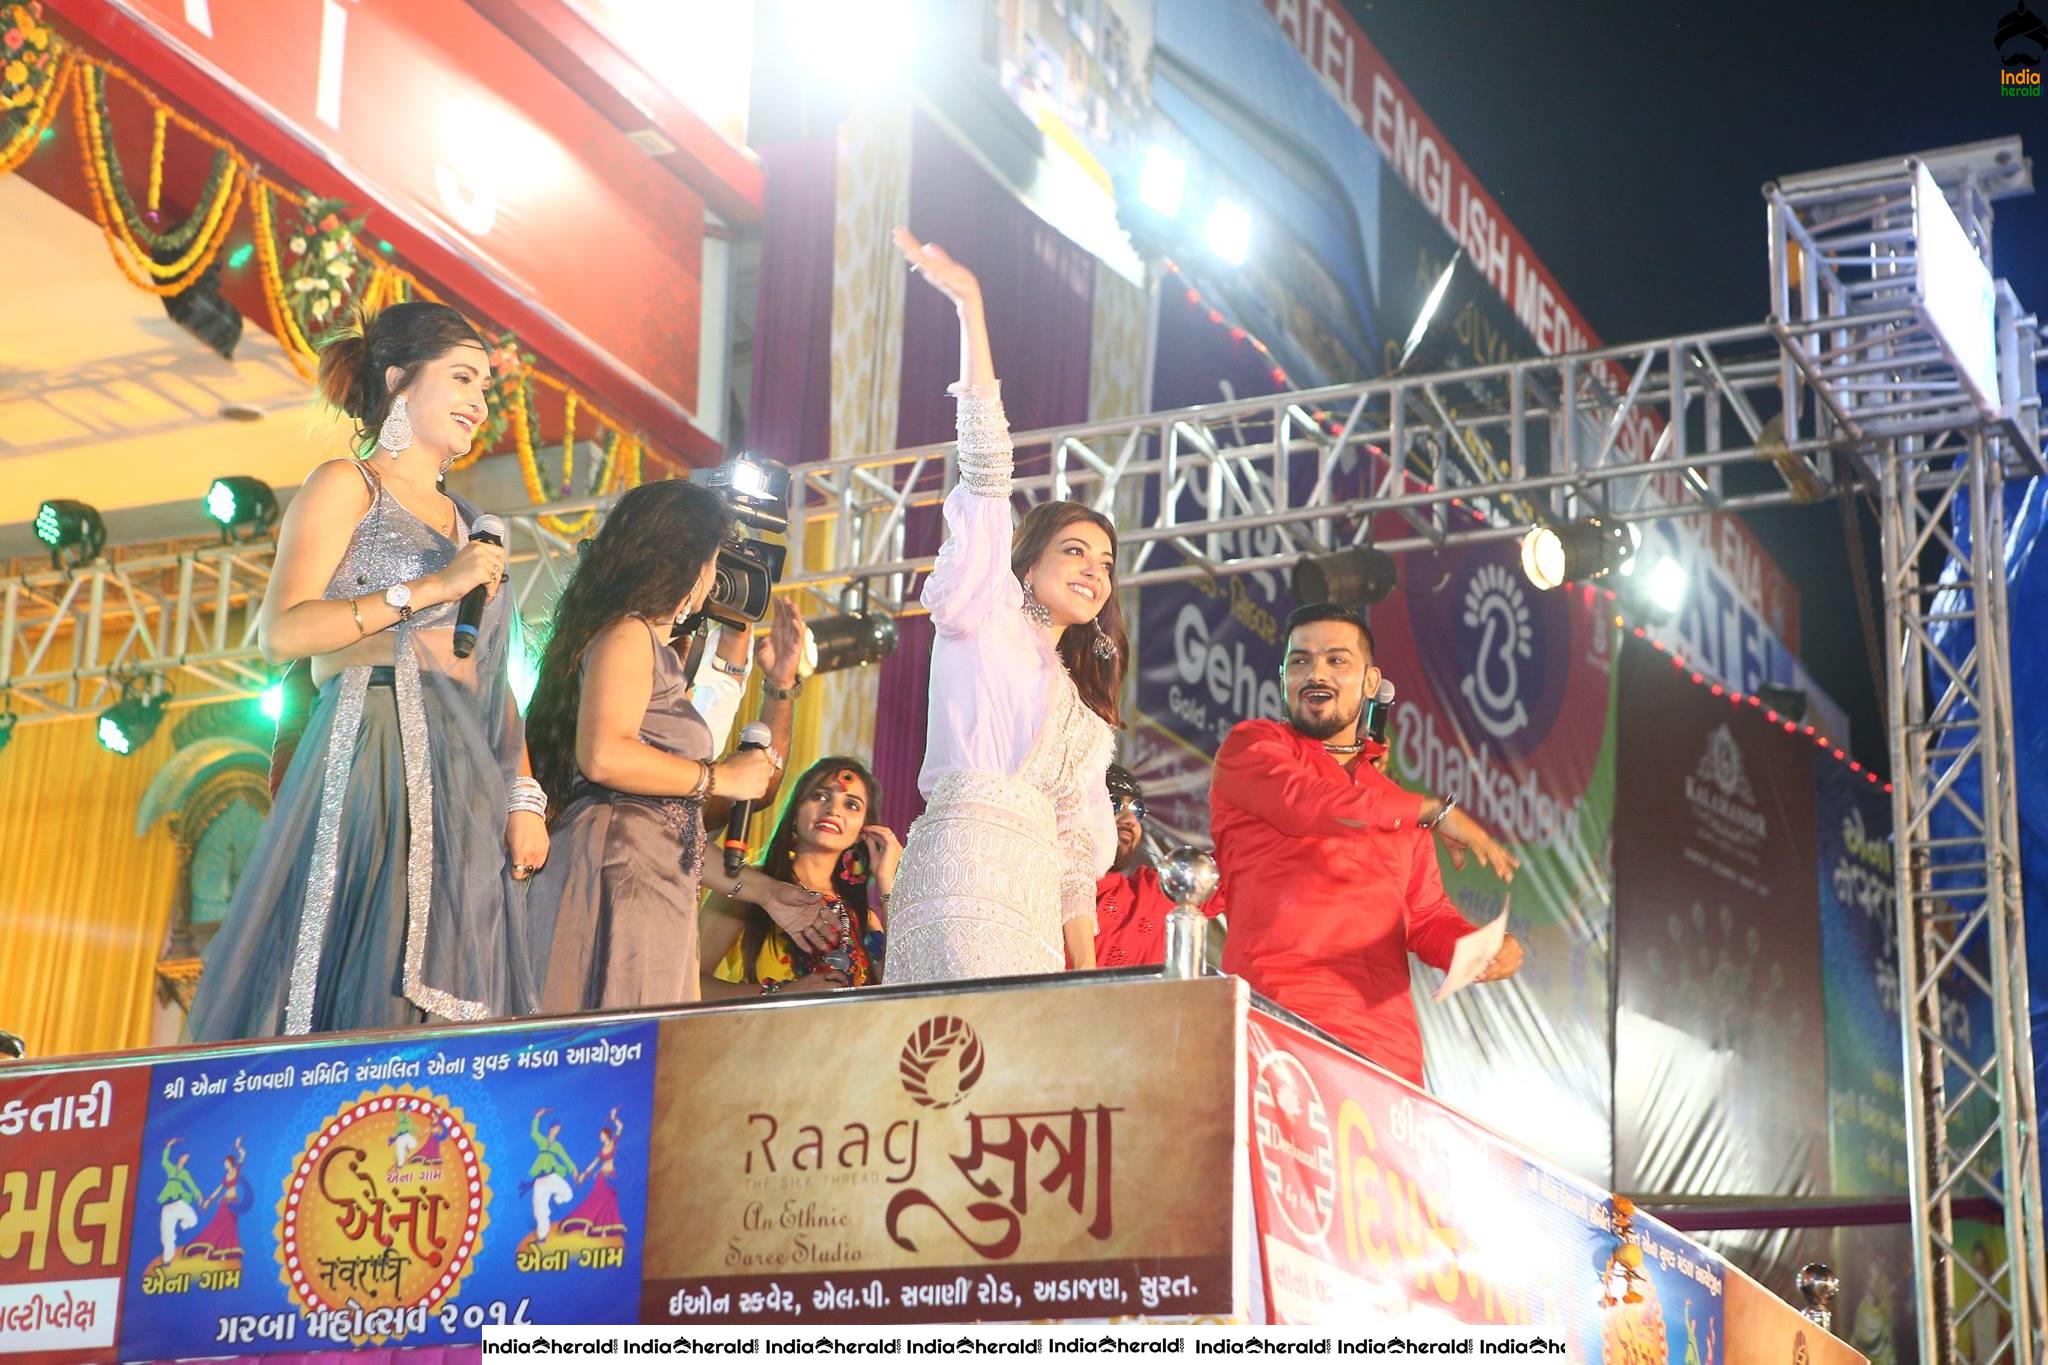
(1665, 586)
(1543, 557)
(854, 47)
(1161, 181)
(1229, 233)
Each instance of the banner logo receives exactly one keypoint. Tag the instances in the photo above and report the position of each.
(1293, 1131)
(1497, 610)
(2022, 39)
(1721, 765)
(1723, 801)
(385, 1207)
(941, 1061)
(192, 1256)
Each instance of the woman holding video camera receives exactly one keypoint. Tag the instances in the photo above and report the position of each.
(626, 762)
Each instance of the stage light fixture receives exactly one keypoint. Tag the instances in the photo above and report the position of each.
(73, 530)
(129, 723)
(1789, 702)
(849, 641)
(1229, 233)
(271, 702)
(1553, 555)
(7, 719)
(1356, 577)
(1162, 181)
(200, 308)
(238, 501)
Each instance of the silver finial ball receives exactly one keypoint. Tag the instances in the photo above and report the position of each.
(1818, 1284)
(1189, 876)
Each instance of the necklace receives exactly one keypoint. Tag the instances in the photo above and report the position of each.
(1359, 747)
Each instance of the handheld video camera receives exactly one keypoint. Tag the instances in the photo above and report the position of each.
(756, 492)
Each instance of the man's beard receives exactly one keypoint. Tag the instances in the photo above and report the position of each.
(1322, 729)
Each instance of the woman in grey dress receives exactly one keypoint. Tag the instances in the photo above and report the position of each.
(627, 765)
(381, 892)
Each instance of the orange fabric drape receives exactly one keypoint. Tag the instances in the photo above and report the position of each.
(84, 903)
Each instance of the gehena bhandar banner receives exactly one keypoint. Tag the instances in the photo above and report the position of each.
(68, 1183)
(1504, 703)
(1027, 1154)
(406, 1193)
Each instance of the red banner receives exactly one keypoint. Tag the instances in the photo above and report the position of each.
(499, 181)
(1373, 1198)
(68, 1185)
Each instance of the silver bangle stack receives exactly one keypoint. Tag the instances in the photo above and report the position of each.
(527, 796)
(707, 781)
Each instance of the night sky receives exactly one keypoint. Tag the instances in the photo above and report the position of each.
(1629, 144)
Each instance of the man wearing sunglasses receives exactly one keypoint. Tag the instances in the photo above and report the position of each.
(1130, 906)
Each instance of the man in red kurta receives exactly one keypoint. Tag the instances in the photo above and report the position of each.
(1329, 870)
(1130, 905)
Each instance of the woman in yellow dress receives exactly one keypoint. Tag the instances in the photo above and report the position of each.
(824, 843)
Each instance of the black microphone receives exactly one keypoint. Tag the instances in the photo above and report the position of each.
(470, 614)
(755, 736)
(1376, 712)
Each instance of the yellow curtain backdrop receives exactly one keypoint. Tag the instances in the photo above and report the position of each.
(84, 903)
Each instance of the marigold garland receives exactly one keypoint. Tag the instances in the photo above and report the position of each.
(30, 102)
(36, 114)
(283, 325)
(133, 257)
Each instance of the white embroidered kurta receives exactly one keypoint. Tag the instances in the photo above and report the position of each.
(1017, 824)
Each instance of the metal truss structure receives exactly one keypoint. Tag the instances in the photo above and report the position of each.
(1856, 385)
(1875, 252)
(70, 639)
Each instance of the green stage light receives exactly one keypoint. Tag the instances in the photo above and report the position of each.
(73, 530)
(524, 666)
(6, 726)
(272, 701)
(128, 724)
(239, 257)
(239, 501)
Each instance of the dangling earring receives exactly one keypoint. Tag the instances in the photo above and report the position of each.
(1035, 611)
(396, 433)
(1104, 647)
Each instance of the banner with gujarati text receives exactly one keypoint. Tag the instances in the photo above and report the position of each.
(406, 1193)
(68, 1186)
(1375, 1201)
(986, 1156)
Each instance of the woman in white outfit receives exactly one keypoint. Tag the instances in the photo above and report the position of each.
(998, 875)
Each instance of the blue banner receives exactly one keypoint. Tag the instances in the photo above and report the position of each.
(406, 1193)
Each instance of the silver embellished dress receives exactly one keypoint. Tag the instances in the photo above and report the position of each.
(379, 894)
(1017, 824)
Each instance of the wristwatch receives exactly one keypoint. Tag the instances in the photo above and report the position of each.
(399, 598)
(738, 671)
(776, 692)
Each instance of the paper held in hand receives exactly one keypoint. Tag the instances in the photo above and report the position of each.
(1472, 954)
